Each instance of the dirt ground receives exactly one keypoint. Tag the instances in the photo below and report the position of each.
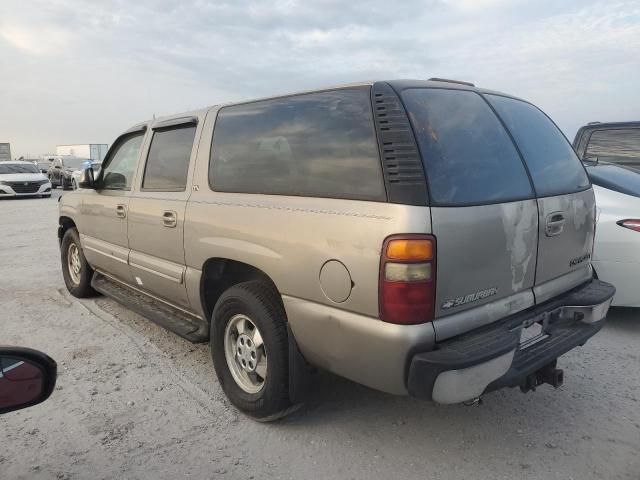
(135, 401)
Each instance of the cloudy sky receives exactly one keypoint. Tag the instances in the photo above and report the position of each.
(77, 71)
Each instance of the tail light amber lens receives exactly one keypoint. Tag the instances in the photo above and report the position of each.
(407, 279)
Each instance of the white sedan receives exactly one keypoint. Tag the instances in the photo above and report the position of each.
(616, 254)
(22, 179)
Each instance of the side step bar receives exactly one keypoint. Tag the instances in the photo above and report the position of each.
(173, 319)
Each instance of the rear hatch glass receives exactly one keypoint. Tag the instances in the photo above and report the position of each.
(468, 157)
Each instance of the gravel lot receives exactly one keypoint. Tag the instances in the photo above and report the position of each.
(135, 401)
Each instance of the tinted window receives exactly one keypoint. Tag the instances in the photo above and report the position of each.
(615, 178)
(468, 156)
(168, 159)
(118, 173)
(552, 162)
(615, 145)
(320, 144)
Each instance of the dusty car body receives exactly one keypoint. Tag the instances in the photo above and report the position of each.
(408, 235)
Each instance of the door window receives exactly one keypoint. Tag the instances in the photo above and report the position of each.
(168, 159)
(118, 172)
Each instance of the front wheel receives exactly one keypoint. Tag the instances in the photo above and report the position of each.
(250, 350)
(74, 184)
(77, 273)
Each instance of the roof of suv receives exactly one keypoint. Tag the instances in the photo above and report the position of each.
(398, 85)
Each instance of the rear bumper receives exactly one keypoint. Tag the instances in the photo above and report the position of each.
(492, 357)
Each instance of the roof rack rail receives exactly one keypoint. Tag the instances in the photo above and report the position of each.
(448, 80)
(593, 123)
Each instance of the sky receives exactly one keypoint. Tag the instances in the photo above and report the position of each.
(77, 71)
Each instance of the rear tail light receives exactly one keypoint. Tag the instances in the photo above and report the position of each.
(631, 224)
(407, 279)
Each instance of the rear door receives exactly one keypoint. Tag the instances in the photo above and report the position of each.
(483, 209)
(157, 210)
(566, 202)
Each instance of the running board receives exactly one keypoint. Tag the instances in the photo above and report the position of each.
(173, 319)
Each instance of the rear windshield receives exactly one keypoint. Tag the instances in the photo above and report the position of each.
(552, 162)
(621, 145)
(18, 168)
(468, 156)
(615, 178)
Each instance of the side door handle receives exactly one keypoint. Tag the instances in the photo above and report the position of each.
(554, 224)
(121, 211)
(169, 218)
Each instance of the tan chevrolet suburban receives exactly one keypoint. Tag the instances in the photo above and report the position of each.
(427, 238)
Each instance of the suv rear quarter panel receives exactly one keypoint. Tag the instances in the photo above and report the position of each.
(290, 239)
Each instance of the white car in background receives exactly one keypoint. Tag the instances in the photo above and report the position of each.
(23, 179)
(616, 254)
(75, 176)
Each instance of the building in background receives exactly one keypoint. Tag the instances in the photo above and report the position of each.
(5, 152)
(94, 151)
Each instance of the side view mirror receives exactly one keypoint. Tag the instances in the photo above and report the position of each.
(86, 179)
(27, 377)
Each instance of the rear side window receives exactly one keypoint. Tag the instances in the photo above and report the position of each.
(620, 145)
(168, 159)
(552, 162)
(320, 145)
(468, 156)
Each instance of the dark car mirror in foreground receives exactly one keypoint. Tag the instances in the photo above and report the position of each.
(86, 178)
(27, 377)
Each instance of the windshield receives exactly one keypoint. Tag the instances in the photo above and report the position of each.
(18, 168)
(74, 163)
(618, 179)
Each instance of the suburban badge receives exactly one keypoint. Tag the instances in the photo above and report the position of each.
(472, 297)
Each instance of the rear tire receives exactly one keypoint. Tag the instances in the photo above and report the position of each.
(77, 273)
(245, 312)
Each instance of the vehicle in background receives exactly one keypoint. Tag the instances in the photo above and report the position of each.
(427, 238)
(62, 168)
(23, 179)
(5, 152)
(614, 142)
(27, 378)
(94, 151)
(75, 176)
(616, 254)
(43, 166)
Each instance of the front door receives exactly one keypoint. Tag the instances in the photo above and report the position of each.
(156, 213)
(103, 220)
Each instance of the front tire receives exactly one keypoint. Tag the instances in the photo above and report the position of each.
(65, 184)
(249, 347)
(77, 273)
(74, 184)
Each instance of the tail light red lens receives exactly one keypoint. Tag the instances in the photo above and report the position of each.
(407, 279)
(631, 224)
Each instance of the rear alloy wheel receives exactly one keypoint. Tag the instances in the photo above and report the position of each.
(77, 273)
(249, 347)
